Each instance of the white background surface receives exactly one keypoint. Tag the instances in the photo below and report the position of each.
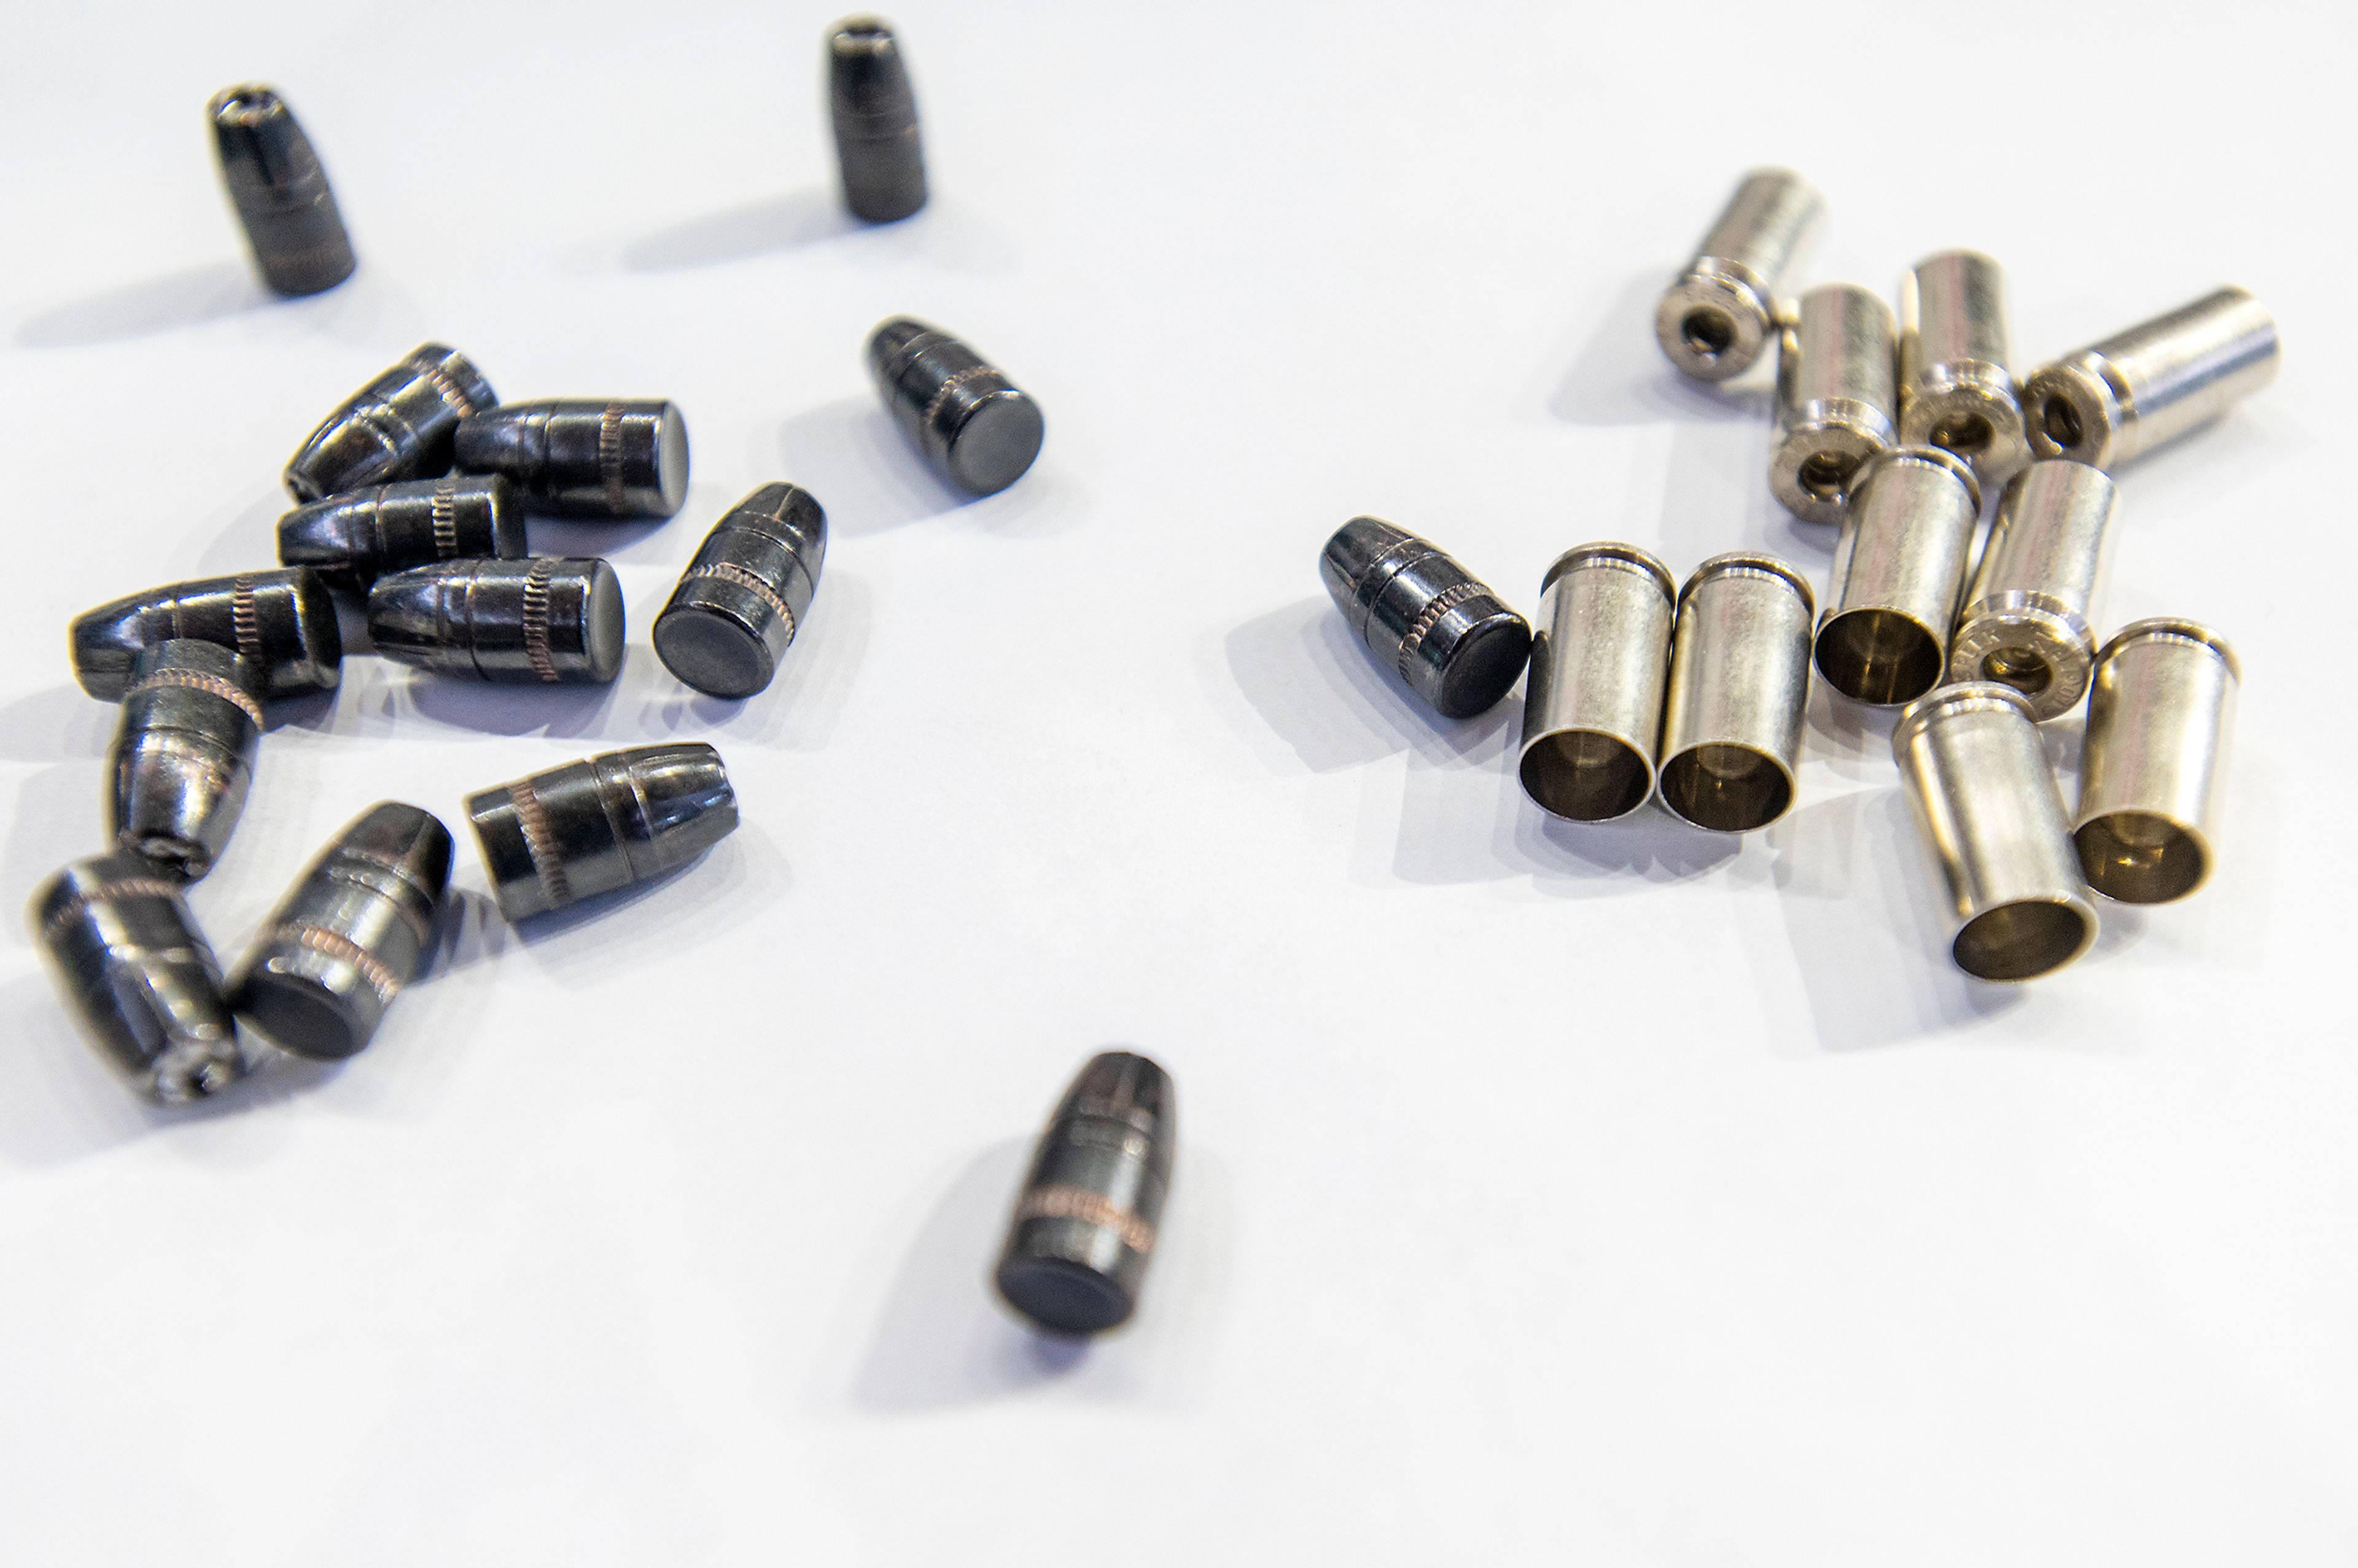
(1615, 1195)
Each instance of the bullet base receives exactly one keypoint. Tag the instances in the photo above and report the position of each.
(1062, 1297)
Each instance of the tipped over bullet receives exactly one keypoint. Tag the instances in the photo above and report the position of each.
(398, 426)
(282, 622)
(584, 457)
(739, 603)
(352, 540)
(875, 116)
(540, 620)
(978, 429)
(183, 754)
(1453, 642)
(280, 192)
(592, 827)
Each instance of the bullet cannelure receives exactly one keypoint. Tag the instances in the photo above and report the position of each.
(398, 427)
(620, 458)
(594, 825)
(352, 540)
(537, 621)
(1447, 636)
(979, 430)
(183, 754)
(740, 603)
(282, 622)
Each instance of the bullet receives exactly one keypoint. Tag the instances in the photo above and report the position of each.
(352, 540)
(141, 980)
(279, 192)
(1899, 566)
(398, 426)
(875, 116)
(1837, 398)
(2026, 618)
(1955, 389)
(740, 601)
(282, 622)
(541, 619)
(592, 827)
(1600, 666)
(183, 754)
(1449, 638)
(2160, 709)
(1739, 684)
(1084, 1223)
(622, 458)
(1720, 312)
(2120, 398)
(354, 929)
(978, 429)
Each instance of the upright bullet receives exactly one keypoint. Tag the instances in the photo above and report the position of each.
(282, 622)
(280, 190)
(979, 430)
(1720, 311)
(1837, 398)
(398, 426)
(2028, 618)
(352, 931)
(1450, 639)
(539, 620)
(352, 540)
(1956, 390)
(141, 979)
(740, 601)
(1084, 1223)
(584, 457)
(183, 754)
(875, 121)
(595, 826)
(2113, 400)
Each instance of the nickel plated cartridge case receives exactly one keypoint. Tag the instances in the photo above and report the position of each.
(280, 190)
(1600, 665)
(2026, 618)
(352, 931)
(1986, 805)
(398, 426)
(875, 116)
(352, 540)
(738, 604)
(1453, 642)
(1084, 1223)
(1955, 389)
(1899, 566)
(535, 621)
(2159, 714)
(281, 622)
(183, 755)
(1739, 684)
(1837, 398)
(595, 826)
(2129, 394)
(142, 982)
(1720, 312)
(583, 457)
(978, 429)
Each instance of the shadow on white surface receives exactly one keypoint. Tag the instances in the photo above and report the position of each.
(803, 704)
(563, 711)
(1618, 376)
(1580, 860)
(774, 223)
(472, 930)
(853, 458)
(61, 722)
(682, 910)
(1853, 740)
(64, 804)
(185, 298)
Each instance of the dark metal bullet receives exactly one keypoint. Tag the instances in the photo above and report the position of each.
(1453, 641)
(978, 429)
(398, 426)
(183, 754)
(352, 540)
(280, 190)
(592, 827)
(139, 976)
(584, 457)
(538, 620)
(282, 621)
(349, 935)
(1084, 1228)
(875, 121)
(738, 604)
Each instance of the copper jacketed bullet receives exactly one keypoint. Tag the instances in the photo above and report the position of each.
(2110, 402)
(352, 540)
(1449, 639)
(978, 429)
(280, 190)
(282, 622)
(1721, 312)
(740, 601)
(595, 826)
(183, 754)
(2160, 710)
(622, 458)
(398, 426)
(875, 116)
(541, 619)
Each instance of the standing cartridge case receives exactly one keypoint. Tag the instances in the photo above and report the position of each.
(281, 622)
(1600, 665)
(142, 982)
(1451, 640)
(535, 621)
(183, 755)
(739, 603)
(979, 430)
(1837, 398)
(1955, 389)
(2129, 394)
(1084, 1223)
(1987, 803)
(352, 540)
(1739, 684)
(1899, 566)
(875, 116)
(2026, 618)
(280, 190)
(2160, 713)
(1720, 311)
(351, 932)
(583, 457)
(398, 426)
(595, 826)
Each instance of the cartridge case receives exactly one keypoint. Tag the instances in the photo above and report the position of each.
(977, 428)
(875, 116)
(2160, 711)
(1600, 666)
(354, 928)
(142, 983)
(1739, 685)
(183, 755)
(1956, 389)
(592, 827)
(2025, 621)
(279, 192)
(281, 622)
(740, 601)
(1837, 398)
(541, 619)
(1451, 640)
(1085, 1219)
(352, 540)
(1720, 311)
(1986, 806)
(583, 457)
(398, 426)
(2114, 400)
(1899, 565)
